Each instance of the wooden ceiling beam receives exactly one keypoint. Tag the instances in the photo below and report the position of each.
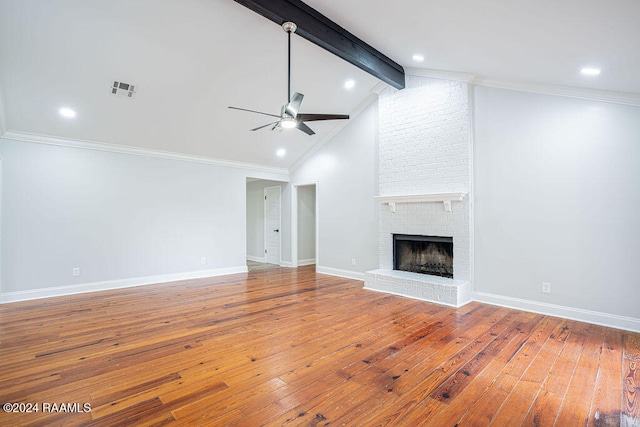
(322, 31)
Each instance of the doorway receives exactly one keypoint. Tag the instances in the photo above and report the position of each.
(259, 231)
(0, 229)
(272, 224)
(307, 224)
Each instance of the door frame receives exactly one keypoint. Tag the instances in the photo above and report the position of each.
(294, 222)
(266, 232)
(1, 221)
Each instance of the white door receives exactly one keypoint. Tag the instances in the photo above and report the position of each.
(272, 224)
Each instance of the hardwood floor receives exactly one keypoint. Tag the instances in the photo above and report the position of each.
(292, 347)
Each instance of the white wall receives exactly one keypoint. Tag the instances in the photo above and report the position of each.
(255, 219)
(345, 170)
(114, 216)
(557, 200)
(307, 224)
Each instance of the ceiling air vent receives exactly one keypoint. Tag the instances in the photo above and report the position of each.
(124, 90)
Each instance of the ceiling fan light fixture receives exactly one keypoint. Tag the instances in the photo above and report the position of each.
(288, 123)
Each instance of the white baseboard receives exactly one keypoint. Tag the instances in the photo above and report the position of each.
(306, 262)
(286, 264)
(594, 317)
(55, 291)
(355, 275)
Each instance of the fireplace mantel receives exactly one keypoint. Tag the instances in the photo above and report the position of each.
(445, 198)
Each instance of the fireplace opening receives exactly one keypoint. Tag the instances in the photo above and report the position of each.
(423, 254)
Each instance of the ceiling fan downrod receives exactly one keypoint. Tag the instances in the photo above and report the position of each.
(289, 27)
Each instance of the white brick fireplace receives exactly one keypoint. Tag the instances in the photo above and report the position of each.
(424, 184)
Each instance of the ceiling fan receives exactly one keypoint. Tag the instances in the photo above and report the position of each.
(289, 116)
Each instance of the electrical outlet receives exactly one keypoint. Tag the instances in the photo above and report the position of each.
(75, 272)
(546, 288)
(203, 260)
(353, 261)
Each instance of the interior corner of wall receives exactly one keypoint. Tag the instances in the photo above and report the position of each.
(3, 123)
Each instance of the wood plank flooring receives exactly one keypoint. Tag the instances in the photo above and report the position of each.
(292, 347)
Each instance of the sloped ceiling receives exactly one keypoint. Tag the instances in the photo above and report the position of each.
(190, 59)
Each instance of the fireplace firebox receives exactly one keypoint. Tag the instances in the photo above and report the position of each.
(423, 254)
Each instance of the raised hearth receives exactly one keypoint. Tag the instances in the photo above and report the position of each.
(441, 290)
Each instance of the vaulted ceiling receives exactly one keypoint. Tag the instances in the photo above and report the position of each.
(190, 59)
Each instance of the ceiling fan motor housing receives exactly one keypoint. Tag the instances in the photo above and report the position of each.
(289, 27)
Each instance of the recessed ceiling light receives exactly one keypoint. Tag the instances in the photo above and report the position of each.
(281, 152)
(417, 57)
(67, 112)
(589, 71)
(349, 84)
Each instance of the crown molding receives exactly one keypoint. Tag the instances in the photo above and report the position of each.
(625, 98)
(122, 149)
(613, 97)
(440, 74)
(371, 98)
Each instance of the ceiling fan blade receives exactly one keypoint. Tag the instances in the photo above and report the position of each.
(304, 128)
(253, 111)
(316, 117)
(294, 105)
(264, 126)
